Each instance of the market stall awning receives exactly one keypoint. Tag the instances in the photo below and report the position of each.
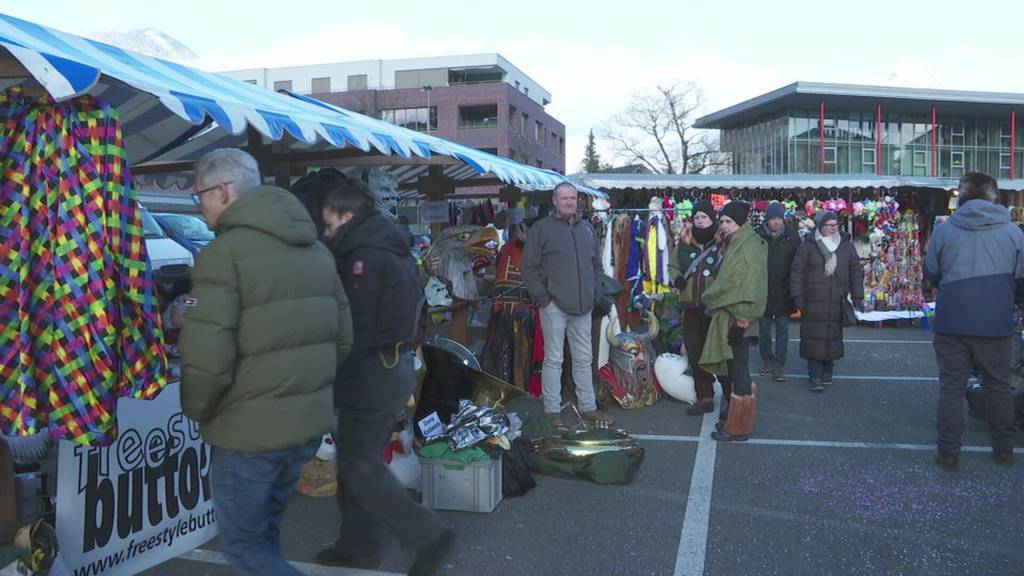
(161, 103)
(609, 182)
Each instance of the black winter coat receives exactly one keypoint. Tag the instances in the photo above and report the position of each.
(781, 252)
(821, 318)
(382, 284)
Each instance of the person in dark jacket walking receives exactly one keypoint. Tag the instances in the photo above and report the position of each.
(825, 271)
(695, 263)
(783, 243)
(373, 385)
(975, 259)
(562, 272)
(265, 327)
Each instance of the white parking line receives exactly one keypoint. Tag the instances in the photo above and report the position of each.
(693, 540)
(878, 341)
(212, 557)
(805, 443)
(885, 378)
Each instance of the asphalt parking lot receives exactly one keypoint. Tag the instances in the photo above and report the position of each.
(835, 483)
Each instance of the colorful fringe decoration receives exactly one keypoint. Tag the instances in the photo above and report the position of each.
(79, 320)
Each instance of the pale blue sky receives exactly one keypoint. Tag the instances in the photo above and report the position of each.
(593, 55)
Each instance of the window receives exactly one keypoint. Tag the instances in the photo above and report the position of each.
(321, 85)
(538, 131)
(411, 118)
(523, 121)
(517, 84)
(253, 81)
(561, 146)
(420, 78)
(473, 117)
(282, 85)
(526, 90)
(869, 162)
(920, 163)
(357, 82)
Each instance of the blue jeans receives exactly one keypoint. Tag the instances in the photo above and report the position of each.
(781, 324)
(820, 370)
(250, 493)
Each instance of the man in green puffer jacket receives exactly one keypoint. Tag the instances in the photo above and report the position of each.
(266, 326)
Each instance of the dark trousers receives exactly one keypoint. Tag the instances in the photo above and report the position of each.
(820, 370)
(739, 377)
(776, 354)
(956, 357)
(369, 496)
(695, 330)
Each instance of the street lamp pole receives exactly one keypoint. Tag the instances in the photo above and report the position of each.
(427, 88)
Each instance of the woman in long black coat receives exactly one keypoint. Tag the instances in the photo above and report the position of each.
(826, 269)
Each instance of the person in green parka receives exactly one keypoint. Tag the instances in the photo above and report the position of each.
(693, 265)
(735, 302)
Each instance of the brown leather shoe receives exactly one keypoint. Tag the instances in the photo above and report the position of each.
(779, 373)
(557, 422)
(597, 419)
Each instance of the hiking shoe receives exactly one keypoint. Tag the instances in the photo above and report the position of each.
(700, 408)
(947, 461)
(429, 557)
(766, 369)
(1003, 457)
(723, 436)
(779, 373)
(557, 422)
(597, 419)
(816, 386)
(331, 557)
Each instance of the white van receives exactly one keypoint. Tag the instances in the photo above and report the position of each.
(171, 261)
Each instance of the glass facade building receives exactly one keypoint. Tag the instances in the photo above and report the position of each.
(857, 133)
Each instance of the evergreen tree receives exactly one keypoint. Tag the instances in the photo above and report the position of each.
(591, 159)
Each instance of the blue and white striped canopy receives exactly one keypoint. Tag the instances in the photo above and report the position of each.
(161, 102)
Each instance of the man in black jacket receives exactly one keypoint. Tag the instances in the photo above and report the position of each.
(783, 242)
(373, 385)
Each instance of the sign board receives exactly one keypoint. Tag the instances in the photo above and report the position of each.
(142, 500)
(719, 200)
(435, 212)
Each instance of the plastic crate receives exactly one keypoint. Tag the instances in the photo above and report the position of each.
(462, 486)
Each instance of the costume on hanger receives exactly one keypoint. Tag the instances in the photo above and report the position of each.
(78, 304)
(508, 349)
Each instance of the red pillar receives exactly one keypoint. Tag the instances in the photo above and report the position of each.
(935, 144)
(821, 137)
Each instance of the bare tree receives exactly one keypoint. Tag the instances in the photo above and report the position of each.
(656, 130)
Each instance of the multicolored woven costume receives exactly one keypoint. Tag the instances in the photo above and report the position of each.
(79, 322)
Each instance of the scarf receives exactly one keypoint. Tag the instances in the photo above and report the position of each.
(774, 235)
(705, 235)
(828, 245)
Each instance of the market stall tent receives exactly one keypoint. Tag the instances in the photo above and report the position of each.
(164, 105)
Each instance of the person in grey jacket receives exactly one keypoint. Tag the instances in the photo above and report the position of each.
(562, 272)
(975, 259)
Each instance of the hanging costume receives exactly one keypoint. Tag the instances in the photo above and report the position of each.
(79, 324)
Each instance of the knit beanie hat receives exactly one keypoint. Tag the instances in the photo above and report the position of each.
(824, 216)
(737, 210)
(706, 207)
(775, 210)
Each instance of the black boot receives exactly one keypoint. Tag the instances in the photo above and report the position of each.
(947, 461)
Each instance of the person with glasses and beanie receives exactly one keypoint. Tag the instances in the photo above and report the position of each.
(735, 302)
(265, 327)
(974, 259)
(825, 271)
(694, 262)
(373, 385)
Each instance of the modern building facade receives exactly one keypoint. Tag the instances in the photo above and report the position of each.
(479, 100)
(816, 128)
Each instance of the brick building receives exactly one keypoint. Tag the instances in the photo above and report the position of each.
(479, 100)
